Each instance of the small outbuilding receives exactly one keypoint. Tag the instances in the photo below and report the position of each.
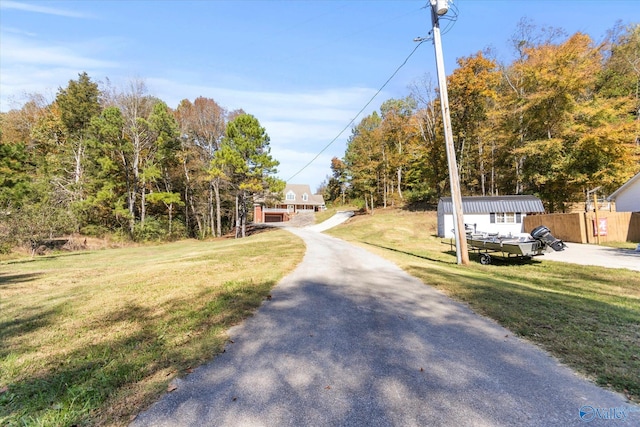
(627, 197)
(490, 214)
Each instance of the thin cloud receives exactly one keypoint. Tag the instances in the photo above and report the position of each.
(17, 51)
(10, 30)
(299, 123)
(27, 7)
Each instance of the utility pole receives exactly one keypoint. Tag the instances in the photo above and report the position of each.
(440, 8)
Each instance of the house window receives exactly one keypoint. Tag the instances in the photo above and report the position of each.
(305, 197)
(505, 217)
(291, 195)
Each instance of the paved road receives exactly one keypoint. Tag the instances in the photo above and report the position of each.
(349, 339)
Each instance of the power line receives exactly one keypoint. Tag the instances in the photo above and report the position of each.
(422, 40)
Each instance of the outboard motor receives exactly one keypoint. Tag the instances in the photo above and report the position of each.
(543, 234)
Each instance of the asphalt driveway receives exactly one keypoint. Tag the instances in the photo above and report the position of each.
(349, 339)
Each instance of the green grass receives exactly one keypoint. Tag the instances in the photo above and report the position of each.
(621, 245)
(91, 338)
(588, 317)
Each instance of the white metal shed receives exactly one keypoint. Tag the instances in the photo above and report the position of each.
(489, 214)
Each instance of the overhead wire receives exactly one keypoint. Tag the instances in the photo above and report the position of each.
(361, 110)
(452, 20)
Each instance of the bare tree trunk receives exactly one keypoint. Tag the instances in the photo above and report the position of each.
(132, 206)
(196, 217)
(493, 168)
(483, 178)
(243, 213)
(78, 154)
(237, 218)
(211, 215)
(143, 204)
(216, 189)
(384, 189)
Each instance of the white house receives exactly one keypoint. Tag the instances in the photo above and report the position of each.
(493, 214)
(627, 197)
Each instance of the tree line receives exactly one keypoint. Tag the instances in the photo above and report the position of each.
(561, 119)
(101, 161)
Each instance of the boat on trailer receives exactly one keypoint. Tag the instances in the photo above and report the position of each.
(539, 241)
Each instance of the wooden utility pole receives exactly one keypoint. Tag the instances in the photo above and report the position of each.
(439, 8)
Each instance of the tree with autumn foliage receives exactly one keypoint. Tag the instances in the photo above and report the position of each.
(336, 187)
(472, 95)
(365, 160)
(202, 126)
(558, 121)
(398, 134)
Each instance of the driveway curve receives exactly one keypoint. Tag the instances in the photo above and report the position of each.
(349, 339)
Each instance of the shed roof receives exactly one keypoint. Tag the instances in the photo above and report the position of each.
(626, 185)
(488, 204)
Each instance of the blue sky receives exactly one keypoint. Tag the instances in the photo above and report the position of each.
(303, 68)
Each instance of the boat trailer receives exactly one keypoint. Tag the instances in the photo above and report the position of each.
(487, 246)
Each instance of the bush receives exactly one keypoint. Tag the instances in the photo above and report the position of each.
(158, 230)
(150, 230)
(420, 193)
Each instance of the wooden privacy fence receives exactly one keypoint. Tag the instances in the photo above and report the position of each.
(579, 227)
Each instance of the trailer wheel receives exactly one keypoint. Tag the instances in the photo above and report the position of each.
(485, 259)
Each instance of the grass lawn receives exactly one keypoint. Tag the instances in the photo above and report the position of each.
(91, 338)
(588, 317)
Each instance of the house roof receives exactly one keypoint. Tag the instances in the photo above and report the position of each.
(624, 187)
(488, 204)
(299, 190)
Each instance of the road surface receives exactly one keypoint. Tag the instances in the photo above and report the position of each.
(349, 339)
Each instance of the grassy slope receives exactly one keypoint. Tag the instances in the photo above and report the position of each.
(586, 316)
(93, 337)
